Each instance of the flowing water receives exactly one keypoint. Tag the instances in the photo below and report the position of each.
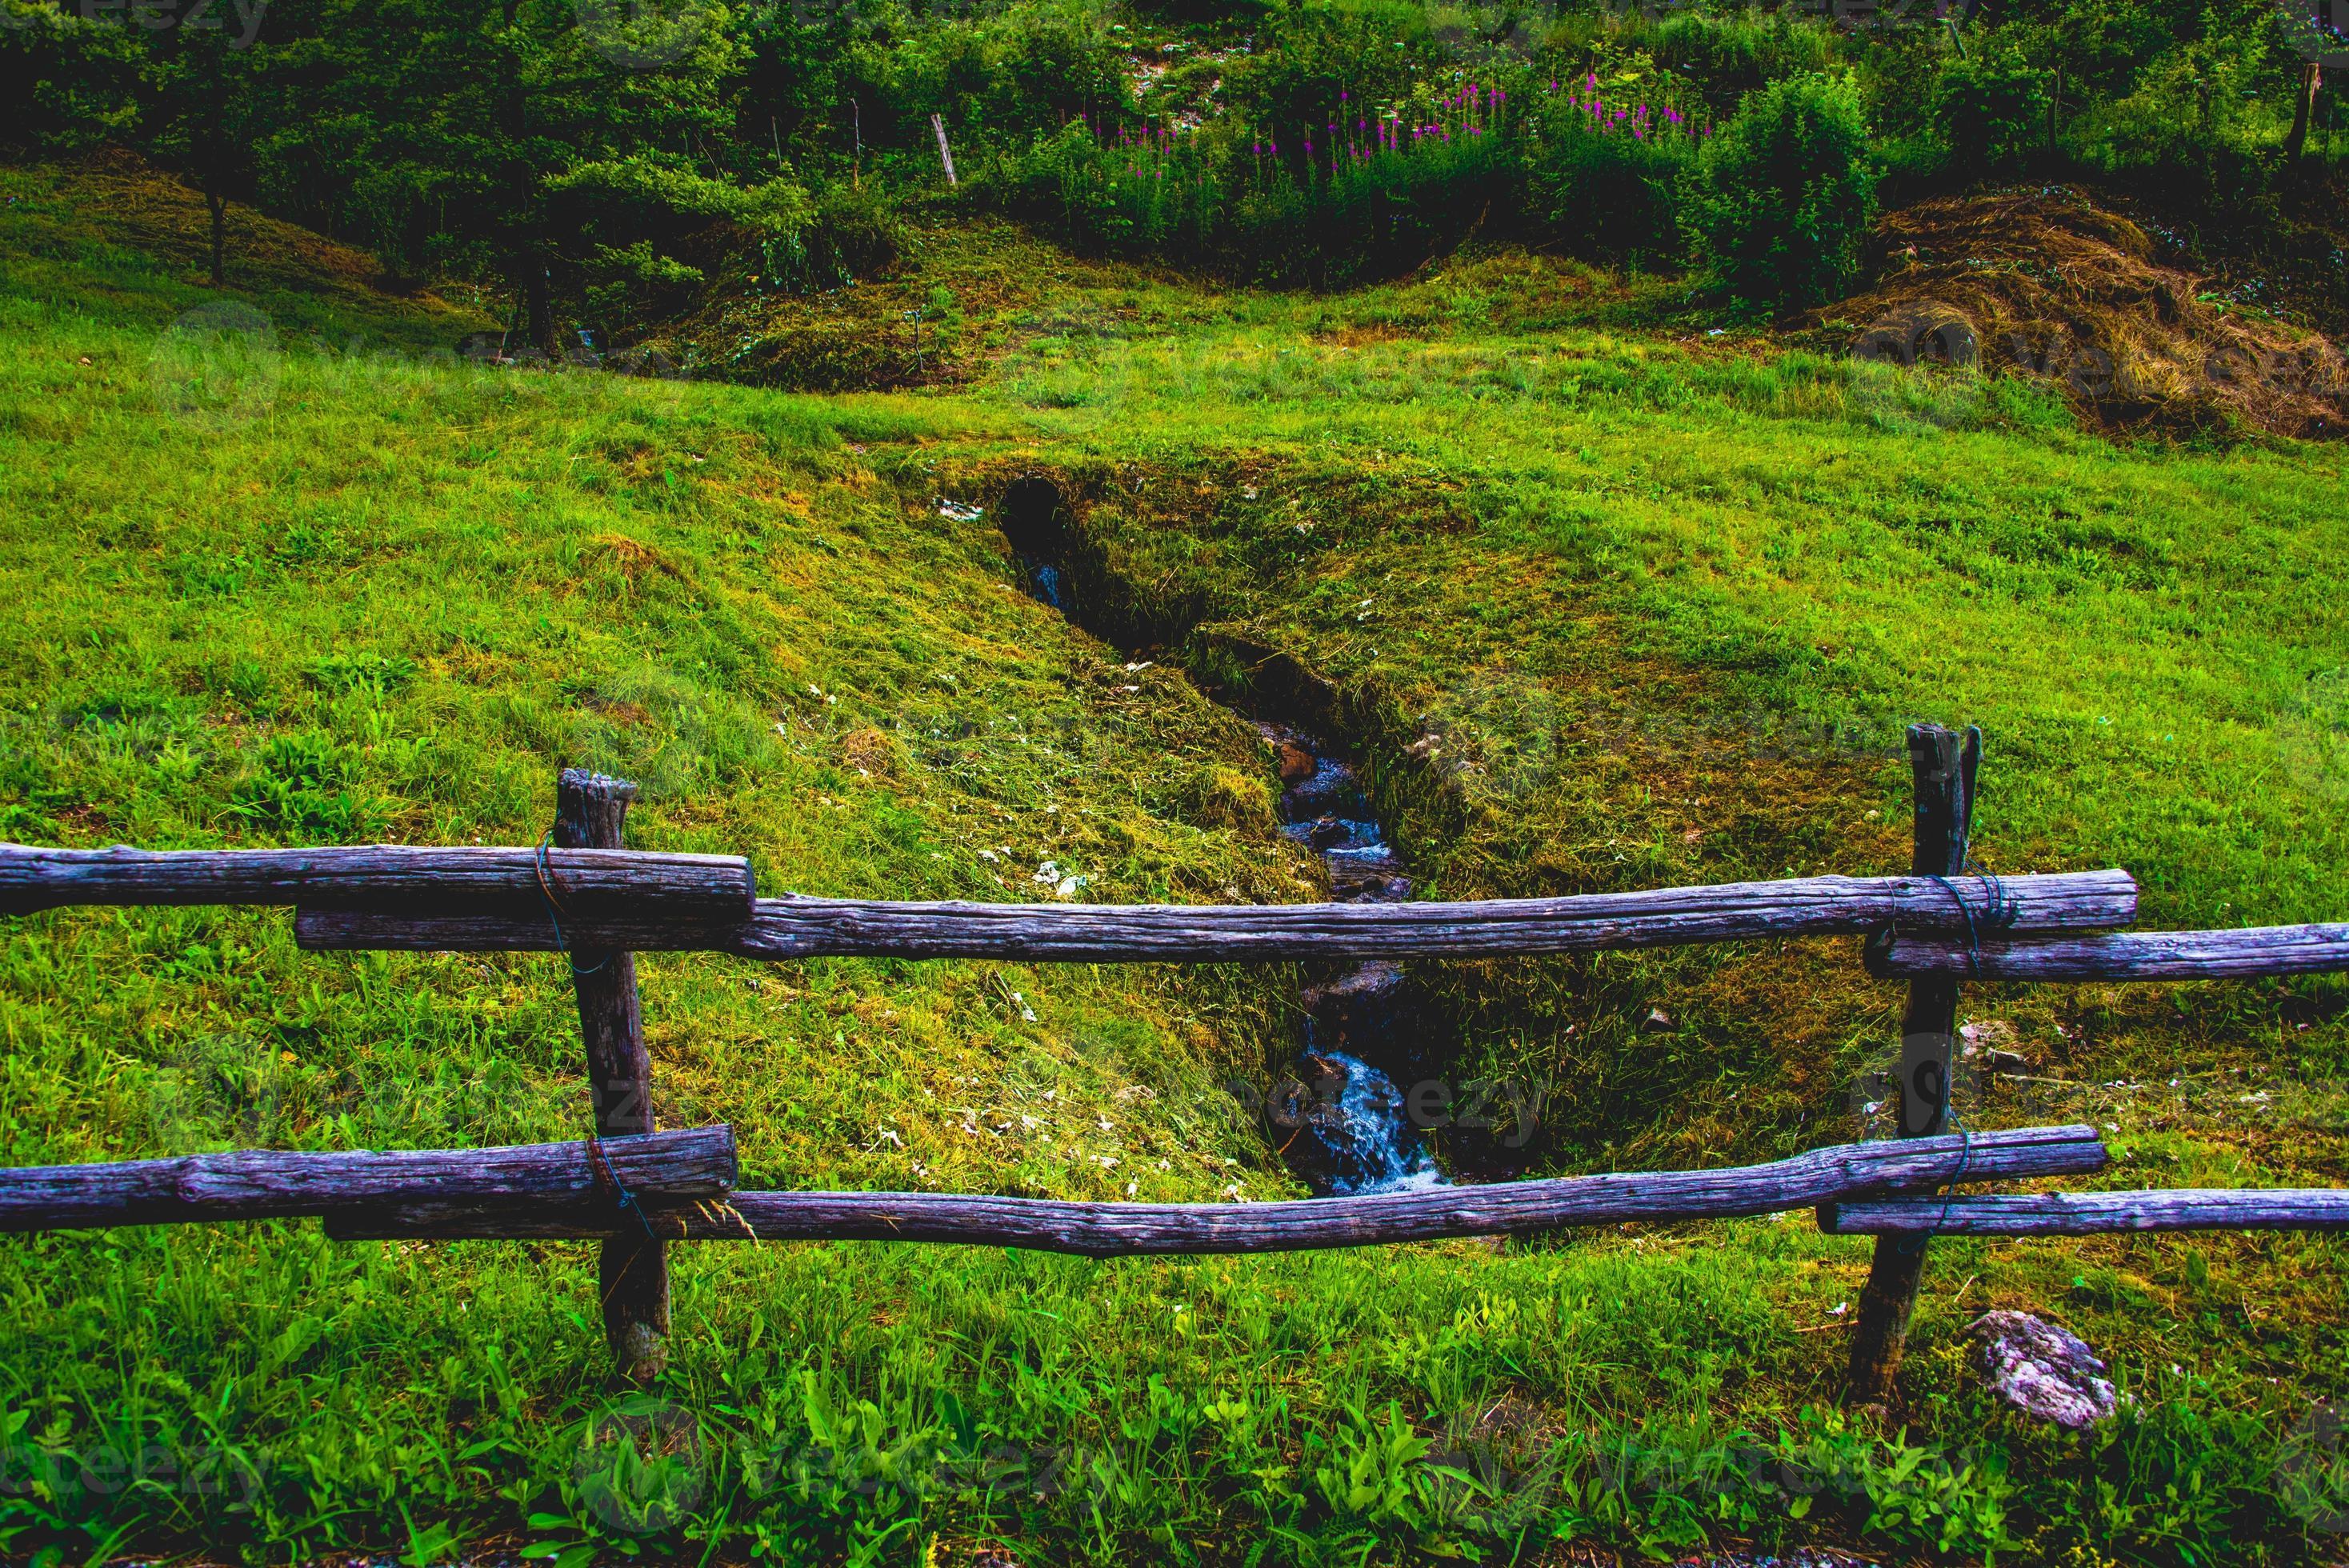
(1349, 1117)
(1341, 1120)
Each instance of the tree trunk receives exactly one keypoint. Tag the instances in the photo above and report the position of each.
(218, 208)
(2303, 109)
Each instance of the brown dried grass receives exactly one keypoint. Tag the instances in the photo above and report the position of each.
(2043, 282)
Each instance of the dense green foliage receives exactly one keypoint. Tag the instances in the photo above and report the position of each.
(1991, 108)
(1784, 194)
(607, 162)
(1332, 206)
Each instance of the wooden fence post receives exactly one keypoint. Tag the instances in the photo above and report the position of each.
(1943, 770)
(946, 154)
(633, 1274)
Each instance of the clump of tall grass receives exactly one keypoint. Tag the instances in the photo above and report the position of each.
(1608, 179)
(1369, 190)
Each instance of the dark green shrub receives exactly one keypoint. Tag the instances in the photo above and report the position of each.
(1050, 64)
(1372, 51)
(70, 80)
(1262, 210)
(1132, 198)
(1783, 196)
(998, 80)
(1989, 107)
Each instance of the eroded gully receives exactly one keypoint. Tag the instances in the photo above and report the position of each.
(1340, 1121)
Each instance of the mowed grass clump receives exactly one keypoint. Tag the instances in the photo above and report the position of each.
(297, 599)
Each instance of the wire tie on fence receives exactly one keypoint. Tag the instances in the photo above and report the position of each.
(2001, 908)
(1998, 908)
(1950, 1187)
(600, 1162)
(553, 906)
(1966, 914)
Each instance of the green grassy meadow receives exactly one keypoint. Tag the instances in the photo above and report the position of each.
(1663, 598)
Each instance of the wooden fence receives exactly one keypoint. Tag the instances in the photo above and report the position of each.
(636, 1188)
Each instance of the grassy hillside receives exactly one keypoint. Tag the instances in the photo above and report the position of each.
(1664, 609)
(293, 593)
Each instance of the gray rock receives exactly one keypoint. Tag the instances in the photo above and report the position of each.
(2042, 1369)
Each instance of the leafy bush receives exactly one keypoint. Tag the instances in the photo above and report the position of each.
(641, 221)
(1120, 198)
(1783, 196)
(1989, 107)
(1371, 53)
(72, 80)
(997, 80)
(1370, 217)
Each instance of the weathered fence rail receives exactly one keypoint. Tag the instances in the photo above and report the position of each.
(636, 1188)
(259, 1185)
(2093, 1213)
(1113, 1230)
(2126, 955)
(791, 928)
(575, 882)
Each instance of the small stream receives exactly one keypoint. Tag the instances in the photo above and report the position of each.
(1341, 1123)
(1350, 1116)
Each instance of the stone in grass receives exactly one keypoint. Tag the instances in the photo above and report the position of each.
(1992, 1041)
(2042, 1369)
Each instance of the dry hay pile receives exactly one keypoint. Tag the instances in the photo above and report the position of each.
(2039, 281)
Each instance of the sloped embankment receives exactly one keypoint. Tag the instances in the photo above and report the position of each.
(2043, 282)
(1599, 776)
